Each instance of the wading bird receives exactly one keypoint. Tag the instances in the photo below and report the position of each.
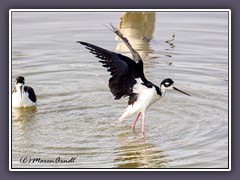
(127, 79)
(23, 96)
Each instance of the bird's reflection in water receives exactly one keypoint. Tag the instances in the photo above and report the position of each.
(138, 28)
(21, 124)
(136, 152)
(21, 115)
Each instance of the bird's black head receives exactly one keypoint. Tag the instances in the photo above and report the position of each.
(20, 80)
(167, 83)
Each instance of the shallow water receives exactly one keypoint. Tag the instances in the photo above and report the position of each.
(76, 113)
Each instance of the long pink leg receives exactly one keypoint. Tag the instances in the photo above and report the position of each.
(135, 121)
(143, 117)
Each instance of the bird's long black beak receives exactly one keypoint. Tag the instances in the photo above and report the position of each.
(181, 91)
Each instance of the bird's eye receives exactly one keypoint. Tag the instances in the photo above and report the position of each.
(167, 84)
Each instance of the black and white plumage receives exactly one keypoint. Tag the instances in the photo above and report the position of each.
(128, 79)
(23, 96)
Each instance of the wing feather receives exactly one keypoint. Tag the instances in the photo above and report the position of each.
(31, 93)
(122, 69)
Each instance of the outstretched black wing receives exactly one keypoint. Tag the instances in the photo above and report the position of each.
(123, 70)
(136, 56)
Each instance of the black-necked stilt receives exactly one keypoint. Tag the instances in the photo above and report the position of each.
(128, 79)
(23, 96)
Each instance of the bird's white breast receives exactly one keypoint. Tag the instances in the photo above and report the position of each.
(21, 101)
(146, 96)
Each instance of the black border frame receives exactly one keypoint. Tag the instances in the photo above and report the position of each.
(4, 90)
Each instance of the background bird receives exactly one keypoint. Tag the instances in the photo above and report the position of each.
(23, 96)
(128, 79)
